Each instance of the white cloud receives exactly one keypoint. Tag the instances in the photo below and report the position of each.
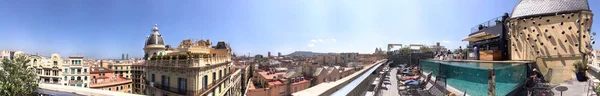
(333, 40)
(313, 40)
(311, 45)
(446, 41)
(320, 40)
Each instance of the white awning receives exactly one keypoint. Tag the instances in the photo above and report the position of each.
(480, 36)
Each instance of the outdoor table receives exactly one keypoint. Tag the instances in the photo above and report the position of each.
(561, 89)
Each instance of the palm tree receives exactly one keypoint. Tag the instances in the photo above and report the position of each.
(17, 77)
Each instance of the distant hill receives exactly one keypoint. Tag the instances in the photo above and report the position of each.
(309, 53)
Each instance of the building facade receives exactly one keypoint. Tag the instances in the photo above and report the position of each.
(192, 68)
(272, 83)
(554, 33)
(131, 68)
(348, 58)
(48, 69)
(106, 79)
(137, 75)
(76, 72)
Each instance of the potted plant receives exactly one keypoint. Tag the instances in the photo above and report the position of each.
(597, 89)
(580, 69)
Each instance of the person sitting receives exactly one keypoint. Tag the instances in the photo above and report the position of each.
(538, 75)
(531, 81)
(411, 82)
(415, 75)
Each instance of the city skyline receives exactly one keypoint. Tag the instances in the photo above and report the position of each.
(107, 29)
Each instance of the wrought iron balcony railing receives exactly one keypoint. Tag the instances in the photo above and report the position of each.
(199, 92)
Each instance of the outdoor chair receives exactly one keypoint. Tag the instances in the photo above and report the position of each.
(538, 87)
(422, 83)
(437, 89)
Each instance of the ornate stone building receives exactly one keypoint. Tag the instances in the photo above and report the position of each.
(48, 69)
(192, 68)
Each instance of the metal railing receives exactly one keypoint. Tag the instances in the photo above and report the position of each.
(186, 63)
(199, 92)
(76, 73)
(487, 24)
(75, 81)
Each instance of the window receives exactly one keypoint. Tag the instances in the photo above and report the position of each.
(66, 78)
(163, 80)
(66, 70)
(72, 77)
(85, 85)
(55, 63)
(168, 81)
(214, 77)
(78, 78)
(84, 70)
(205, 82)
(153, 78)
(84, 77)
(220, 74)
(182, 84)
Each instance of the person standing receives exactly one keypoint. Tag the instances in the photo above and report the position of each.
(460, 54)
(476, 52)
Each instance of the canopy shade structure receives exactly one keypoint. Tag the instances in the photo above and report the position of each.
(480, 36)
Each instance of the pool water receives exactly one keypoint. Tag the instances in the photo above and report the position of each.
(473, 76)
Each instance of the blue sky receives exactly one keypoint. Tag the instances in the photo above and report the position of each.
(107, 28)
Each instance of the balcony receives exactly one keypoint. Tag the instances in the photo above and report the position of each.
(485, 25)
(189, 92)
(78, 65)
(121, 69)
(75, 81)
(187, 63)
(76, 73)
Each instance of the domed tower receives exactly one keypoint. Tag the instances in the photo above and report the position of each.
(155, 45)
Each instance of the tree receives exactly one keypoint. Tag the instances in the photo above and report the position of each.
(17, 77)
(405, 49)
(425, 49)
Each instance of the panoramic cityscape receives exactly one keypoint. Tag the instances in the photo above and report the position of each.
(299, 48)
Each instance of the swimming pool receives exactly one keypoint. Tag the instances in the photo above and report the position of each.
(473, 76)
